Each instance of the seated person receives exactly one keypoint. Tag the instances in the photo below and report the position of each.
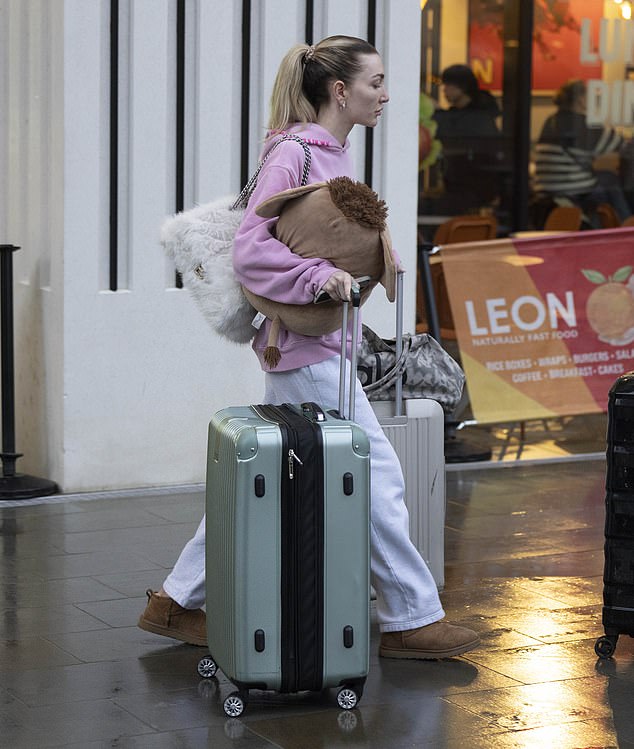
(470, 141)
(565, 152)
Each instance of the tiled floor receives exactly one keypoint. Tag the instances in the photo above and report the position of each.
(524, 559)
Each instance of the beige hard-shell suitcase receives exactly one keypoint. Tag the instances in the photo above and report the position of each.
(416, 430)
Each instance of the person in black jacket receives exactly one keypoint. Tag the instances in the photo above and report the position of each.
(470, 141)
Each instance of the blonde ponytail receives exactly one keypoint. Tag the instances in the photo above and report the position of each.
(301, 83)
(288, 101)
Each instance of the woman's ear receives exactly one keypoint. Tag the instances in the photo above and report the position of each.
(339, 90)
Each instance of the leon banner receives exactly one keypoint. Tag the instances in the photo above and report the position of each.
(544, 325)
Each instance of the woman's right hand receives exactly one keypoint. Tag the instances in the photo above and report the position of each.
(338, 286)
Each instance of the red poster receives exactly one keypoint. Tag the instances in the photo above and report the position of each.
(544, 325)
(556, 42)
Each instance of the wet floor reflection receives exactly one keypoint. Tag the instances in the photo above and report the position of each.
(8, 536)
(619, 689)
(524, 565)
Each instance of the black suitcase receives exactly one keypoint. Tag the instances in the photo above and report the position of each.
(618, 573)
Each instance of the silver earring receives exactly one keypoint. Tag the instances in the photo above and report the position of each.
(342, 104)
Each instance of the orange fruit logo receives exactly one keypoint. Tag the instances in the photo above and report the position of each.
(610, 307)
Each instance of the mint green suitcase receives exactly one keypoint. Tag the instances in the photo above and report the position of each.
(288, 550)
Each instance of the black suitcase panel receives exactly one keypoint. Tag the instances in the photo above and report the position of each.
(619, 561)
(619, 516)
(618, 573)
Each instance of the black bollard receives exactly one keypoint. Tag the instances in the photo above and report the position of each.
(13, 485)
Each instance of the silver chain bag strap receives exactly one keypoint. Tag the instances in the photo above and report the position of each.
(247, 190)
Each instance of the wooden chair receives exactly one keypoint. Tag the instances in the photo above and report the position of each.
(608, 217)
(466, 229)
(629, 221)
(564, 218)
(458, 229)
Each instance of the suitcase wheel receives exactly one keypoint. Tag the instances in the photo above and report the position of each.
(605, 646)
(347, 698)
(234, 704)
(207, 667)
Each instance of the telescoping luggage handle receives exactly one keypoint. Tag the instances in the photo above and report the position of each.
(356, 302)
(398, 385)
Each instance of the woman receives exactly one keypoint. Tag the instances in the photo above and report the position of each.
(471, 145)
(565, 151)
(320, 93)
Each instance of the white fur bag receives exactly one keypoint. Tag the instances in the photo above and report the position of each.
(200, 242)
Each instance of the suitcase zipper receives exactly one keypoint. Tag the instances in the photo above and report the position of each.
(302, 490)
(292, 458)
(293, 665)
(294, 654)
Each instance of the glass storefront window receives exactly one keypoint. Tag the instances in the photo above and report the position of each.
(464, 153)
(494, 142)
(582, 111)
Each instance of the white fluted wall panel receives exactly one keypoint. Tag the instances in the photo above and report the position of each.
(31, 206)
(217, 99)
(114, 389)
(396, 148)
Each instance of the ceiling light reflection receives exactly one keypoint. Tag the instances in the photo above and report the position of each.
(522, 260)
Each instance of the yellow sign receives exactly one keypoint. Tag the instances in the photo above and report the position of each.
(544, 325)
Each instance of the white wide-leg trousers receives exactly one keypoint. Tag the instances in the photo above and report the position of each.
(407, 596)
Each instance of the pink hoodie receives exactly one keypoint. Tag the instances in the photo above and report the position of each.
(267, 267)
